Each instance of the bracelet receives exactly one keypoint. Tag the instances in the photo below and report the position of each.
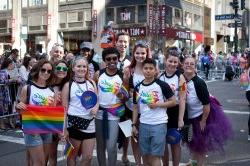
(133, 124)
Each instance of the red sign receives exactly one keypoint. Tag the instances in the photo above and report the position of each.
(94, 23)
(198, 36)
(133, 31)
(177, 34)
(150, 18)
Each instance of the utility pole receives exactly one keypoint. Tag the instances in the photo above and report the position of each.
(235, 6)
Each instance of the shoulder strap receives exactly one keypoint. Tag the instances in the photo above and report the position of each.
(28, 93)
(70, 83)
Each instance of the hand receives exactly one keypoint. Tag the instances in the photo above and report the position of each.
(134, 132)
(180, 123)
(153, 105)
(202, 125)
(65, 136)
(120, 95)
(20, 107)
(93, 112)
(58, 97)
(51, 100)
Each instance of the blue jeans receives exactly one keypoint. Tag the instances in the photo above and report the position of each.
(110, 144)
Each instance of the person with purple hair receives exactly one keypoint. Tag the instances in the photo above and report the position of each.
(211, 128)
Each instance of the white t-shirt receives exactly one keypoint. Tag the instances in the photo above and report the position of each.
(144, 94)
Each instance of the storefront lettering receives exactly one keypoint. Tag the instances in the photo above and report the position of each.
(125, 16)
(183, 35)
(139, 31)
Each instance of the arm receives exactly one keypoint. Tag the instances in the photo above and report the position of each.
(65, 103)
(21, 106)
(206, 110)
(182, 100)
(96, 76)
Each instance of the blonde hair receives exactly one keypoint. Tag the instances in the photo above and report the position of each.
(78, 58)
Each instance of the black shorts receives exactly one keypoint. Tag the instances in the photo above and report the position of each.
(173, 116)
(79, 135)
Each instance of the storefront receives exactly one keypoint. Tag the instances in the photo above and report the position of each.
(182, 38)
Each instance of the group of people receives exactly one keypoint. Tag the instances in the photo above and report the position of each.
(155, 102)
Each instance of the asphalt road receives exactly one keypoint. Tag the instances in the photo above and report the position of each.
(237, 151)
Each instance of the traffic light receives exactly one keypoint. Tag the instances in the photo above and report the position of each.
(242, 5)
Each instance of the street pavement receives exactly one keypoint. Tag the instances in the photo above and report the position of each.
(237, 150)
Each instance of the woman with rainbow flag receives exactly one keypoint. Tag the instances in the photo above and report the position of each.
(175, 114)
(79, 128)
(38, 93)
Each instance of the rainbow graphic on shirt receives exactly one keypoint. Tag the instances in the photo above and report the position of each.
(38, 99)
(149, 97)
(112, 87)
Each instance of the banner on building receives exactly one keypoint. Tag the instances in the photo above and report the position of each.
(94, 23)
(162, 23)
(150, 18)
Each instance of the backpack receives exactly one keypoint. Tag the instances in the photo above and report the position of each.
(205, 60)
(244, 82)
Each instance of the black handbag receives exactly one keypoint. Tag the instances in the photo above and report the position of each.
(78, 122)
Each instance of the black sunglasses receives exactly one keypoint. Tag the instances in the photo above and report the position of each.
(45, 70)
(111, 58)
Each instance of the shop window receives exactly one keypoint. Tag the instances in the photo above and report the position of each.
(4, 5)
(125, 15)
(142, 13)
(109, 14)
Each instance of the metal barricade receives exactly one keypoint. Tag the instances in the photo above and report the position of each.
(8, 97)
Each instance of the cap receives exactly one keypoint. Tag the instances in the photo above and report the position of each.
(88, 45)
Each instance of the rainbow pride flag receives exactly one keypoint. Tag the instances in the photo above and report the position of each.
(68, 149)
(43, 119)
(183, 87)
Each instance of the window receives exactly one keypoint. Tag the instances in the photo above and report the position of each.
(61, 1)
(3, 24)
(109, 14)
(24, 3)
(169, 15)
(177, 17)
(142, 13)
(3, 5)
(37, 2)
(126, 14)
(62, 17)
(10, 4)
(187, 19)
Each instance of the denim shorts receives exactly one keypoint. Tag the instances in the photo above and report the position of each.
(37, 139)
(152, 139)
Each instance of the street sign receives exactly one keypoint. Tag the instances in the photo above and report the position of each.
(227, 17)
(232, 25)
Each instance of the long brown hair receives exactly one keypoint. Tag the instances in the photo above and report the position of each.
(36, 69)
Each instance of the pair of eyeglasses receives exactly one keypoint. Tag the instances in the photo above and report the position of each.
(45, 70)
(61, 68)
(111, 58)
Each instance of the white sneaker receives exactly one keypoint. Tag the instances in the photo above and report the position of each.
(248, 138)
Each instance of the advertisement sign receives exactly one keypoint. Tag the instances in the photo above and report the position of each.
(162, 9)
(150, 18)
(132, 31)
(94, 23)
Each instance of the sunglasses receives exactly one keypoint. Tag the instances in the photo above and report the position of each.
(111, 58)
(85, 49)
(60, 68)
(45, 70)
